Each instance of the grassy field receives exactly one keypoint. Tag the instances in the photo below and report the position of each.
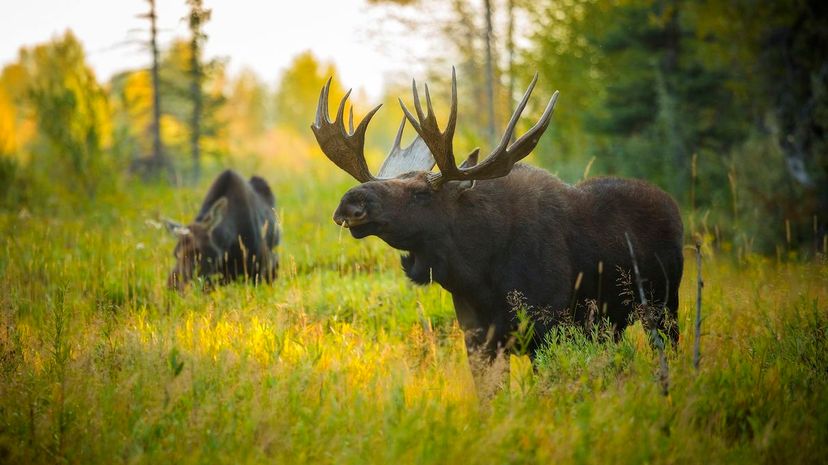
(344, 361)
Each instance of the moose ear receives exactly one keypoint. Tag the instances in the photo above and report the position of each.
(216, 214)
(472, 160)
(175, 228)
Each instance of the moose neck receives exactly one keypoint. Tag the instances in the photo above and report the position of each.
(451, 259)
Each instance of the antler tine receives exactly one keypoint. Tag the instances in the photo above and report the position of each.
(322, 106)
(417, 106)
(398, 139)
(363, 125)
(339, 112)
(452, 121)
(528, 141)
(429, 108)
(411, 119)
(326, 92)
(510, 129)
(351, 120)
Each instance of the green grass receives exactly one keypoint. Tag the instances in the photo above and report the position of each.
(344, 361)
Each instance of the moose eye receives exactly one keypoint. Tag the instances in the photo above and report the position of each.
(421, 196)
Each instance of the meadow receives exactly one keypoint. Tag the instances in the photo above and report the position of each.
(342, 360)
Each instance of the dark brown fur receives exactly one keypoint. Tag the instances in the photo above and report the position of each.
(527, 232)
(233, 234)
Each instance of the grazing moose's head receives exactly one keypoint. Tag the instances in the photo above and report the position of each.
(196, 253)
(406, 204)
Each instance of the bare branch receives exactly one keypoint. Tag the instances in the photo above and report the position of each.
(699, 286)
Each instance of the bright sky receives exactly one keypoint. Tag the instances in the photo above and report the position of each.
(261, 35)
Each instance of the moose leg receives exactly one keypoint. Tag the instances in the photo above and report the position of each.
(667, 321)
(663, 315)
(660, 321)
(270, 266)
(488, 363)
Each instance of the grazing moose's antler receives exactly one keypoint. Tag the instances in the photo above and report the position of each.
(502, 158)
(346, 148)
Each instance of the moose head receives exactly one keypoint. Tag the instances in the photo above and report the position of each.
(406, 204)
(196, 253)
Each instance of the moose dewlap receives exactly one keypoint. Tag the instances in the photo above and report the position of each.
(486, 231)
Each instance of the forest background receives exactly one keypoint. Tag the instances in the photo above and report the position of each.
(722, 104)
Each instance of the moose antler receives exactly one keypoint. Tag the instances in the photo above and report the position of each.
(346, 148)
(499, 163)
(415, 157)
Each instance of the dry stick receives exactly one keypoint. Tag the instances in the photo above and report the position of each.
(700, 285)
(664, 369)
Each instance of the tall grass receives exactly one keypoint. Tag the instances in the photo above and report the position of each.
(343, 361)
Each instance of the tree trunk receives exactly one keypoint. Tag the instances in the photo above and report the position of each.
(490, 73)
(670, 71)
(195, 90)
(198, 16)
(510, 50)
(157, 160)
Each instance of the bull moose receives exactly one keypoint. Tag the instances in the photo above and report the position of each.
(485, 230)
(232, 236)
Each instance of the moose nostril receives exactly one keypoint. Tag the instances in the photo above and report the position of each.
(358, 212)
(349, 213)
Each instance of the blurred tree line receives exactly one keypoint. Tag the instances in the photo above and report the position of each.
(722, 103)
(65, 136)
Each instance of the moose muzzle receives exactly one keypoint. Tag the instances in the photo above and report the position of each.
(350, 214)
